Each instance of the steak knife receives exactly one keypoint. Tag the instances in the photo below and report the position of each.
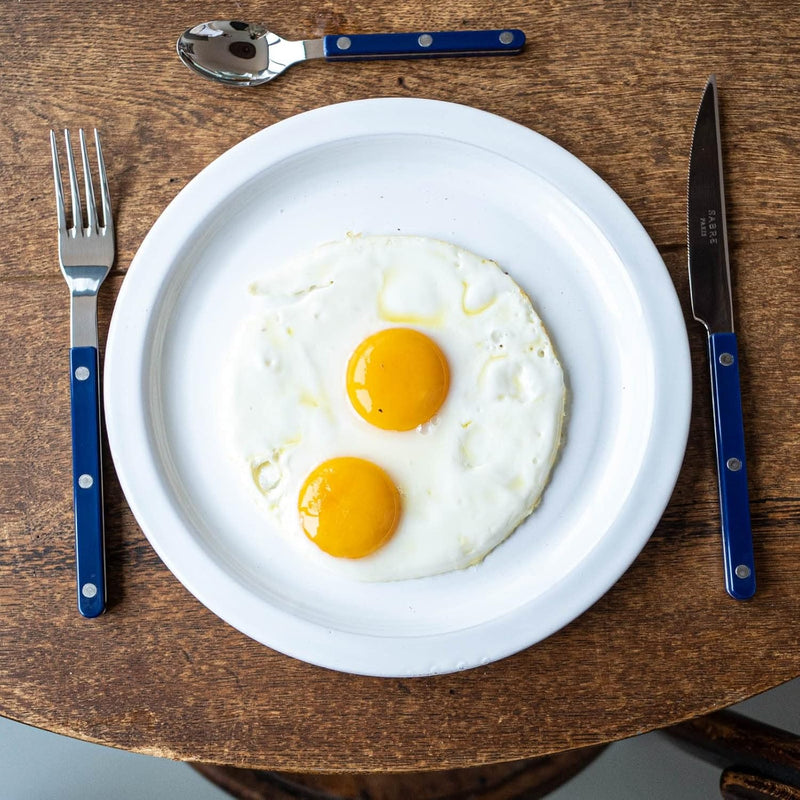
(712, 304)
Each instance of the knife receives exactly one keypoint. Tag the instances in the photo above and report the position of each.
(712, 304)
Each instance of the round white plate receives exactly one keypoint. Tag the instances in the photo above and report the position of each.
(425, 168)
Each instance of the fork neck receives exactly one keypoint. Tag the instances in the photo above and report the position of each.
(83, 321)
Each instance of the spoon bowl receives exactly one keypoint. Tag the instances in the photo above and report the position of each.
(237, 53)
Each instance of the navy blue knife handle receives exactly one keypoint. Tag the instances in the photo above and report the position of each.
(87, 480)
(740, 576)
(366, 46)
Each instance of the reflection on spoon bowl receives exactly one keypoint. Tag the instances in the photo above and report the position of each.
(237, 53)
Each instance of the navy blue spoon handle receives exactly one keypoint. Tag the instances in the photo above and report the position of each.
(737, 538)
(87, 480)
(366, 46)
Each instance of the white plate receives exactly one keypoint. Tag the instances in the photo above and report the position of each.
(413, 167)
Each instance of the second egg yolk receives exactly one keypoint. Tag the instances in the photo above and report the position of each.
(349, 507)
(397, 379)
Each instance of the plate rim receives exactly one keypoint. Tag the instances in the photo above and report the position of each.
(343, 650)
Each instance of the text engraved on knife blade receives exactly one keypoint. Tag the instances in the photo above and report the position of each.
(710, 229)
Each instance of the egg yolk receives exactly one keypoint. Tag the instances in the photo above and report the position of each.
(349, 507)
(397, 379)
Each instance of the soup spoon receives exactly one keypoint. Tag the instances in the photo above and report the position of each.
(242, 54)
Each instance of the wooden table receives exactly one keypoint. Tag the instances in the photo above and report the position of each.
(616, 83)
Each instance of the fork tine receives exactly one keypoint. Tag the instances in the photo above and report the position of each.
(62, 218)
(108, 222)
(91, 211)
(77, 211)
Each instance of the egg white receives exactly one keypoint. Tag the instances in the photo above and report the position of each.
(468, 477)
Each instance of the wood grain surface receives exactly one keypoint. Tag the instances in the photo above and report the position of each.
(616, 83)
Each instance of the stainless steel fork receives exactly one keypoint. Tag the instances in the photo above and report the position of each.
(86, 253)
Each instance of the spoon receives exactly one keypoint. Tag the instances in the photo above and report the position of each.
(241, 54)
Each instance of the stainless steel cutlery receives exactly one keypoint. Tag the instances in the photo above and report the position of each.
(245, 54)
(86, 253)
(712, 304)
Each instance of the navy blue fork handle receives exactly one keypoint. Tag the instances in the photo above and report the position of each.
(87, 480)
(737, 537)
(366, 46)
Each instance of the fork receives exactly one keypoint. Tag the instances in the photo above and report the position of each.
(86, 253)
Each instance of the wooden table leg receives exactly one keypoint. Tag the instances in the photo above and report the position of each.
(760, 761)
(730, 739)
(738, 784)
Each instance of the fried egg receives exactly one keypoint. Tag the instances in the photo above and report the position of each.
(395, 404)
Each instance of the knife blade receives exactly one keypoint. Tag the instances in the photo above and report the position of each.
(712, 305)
